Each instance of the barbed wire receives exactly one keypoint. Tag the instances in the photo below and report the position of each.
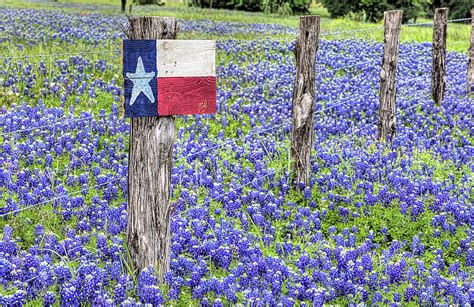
(231, 140)
(397, 113)
(325, 109)
(3, 57)
(223, 144)
(351, 31)
(59, 197)
(458, 43)
(431, 23)
(417, 78)
(57, 123)
(220, 198)
(347, 66)
(331, 33)
(346, 136)
(266, 131)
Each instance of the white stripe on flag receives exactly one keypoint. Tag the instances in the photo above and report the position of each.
(186, 58)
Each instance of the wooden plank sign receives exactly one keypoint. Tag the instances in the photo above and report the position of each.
(169, 77)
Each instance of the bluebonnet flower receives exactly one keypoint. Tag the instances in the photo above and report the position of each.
(235, 236)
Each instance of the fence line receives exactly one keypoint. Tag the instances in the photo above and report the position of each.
(59, 54)
(105, 115)
(57, 124)
(351, 31)
(252, 133)
(286, 41)
(182, 213)
(366, 126)
(423, 77)
(325, 109)
(215, 147)
(430, 23)
(59, 197)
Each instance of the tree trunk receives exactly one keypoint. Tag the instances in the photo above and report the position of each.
(124, 5)
(470, 65)
(148, 1)
(438, 70)
(388, 74)
(149, 170)
(304, 97)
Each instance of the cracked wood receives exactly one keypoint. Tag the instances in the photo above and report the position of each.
(304, 97)
(388, 75)
(149, 170)
(470, 65)
(438, 69)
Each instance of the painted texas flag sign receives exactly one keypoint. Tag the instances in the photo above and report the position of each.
(169, 77)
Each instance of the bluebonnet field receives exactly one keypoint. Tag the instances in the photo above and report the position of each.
(377, 224)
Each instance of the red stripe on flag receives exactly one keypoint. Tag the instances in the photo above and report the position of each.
(186, 95)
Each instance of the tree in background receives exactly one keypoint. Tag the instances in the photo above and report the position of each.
(124, 4)
(373, 9)
(143, 2)
(148, 2)
(284, 7)
(457, 8)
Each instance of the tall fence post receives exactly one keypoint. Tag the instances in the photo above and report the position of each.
(304, 97)
(149, 169)
(470, 65)
(438, 70)
(388, 74)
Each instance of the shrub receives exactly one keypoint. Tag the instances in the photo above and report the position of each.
(146, 1)
(284, 7)
(457, 8)
(374, 9)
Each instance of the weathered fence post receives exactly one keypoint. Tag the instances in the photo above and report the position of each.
(438, 70)
(304, 97)
(388, 75)
(149, 169)
(470, 65)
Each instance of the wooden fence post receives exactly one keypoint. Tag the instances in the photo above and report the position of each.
(304, 98)
(149, 169)
(470, 65)
(388, 74)
(438, 70)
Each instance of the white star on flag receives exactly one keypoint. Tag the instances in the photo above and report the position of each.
(141, 82)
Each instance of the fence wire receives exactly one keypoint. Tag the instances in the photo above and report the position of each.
(58, 123)
(59, 197)
(233, 140)
(330, 33)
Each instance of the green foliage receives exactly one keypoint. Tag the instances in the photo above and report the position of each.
(283, 7)
(373, 9)
(147, 2)
(457, 8)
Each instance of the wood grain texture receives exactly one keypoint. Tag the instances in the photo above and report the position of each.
(388, 75)
(183, 96)
(470, 65)
(304, 97)
(149, 170)
(186, 58)
(438, 69)
(132, 51)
